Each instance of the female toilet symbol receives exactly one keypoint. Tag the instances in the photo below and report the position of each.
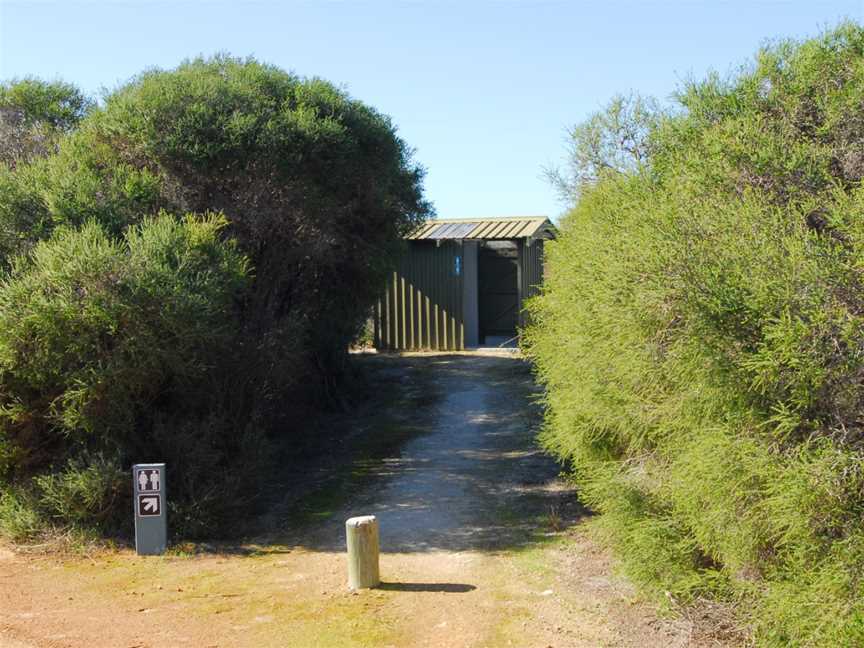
(142, 480)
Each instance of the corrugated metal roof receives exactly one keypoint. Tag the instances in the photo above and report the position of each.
(482, 228)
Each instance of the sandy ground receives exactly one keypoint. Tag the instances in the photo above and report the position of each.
(482, 545)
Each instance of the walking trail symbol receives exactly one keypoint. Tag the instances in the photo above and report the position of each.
(151, 528)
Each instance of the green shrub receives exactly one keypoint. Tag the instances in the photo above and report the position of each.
(57, 104)
(129, 335)
(212, 455)
(105, 343)
(700, 337)
(24, 216)
(19, 517)
(316, 186)
(33, 116)
(88, 491)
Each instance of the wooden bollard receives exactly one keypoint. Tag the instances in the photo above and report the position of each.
(362, 536)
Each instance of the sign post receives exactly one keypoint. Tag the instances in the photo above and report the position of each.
(151, 526)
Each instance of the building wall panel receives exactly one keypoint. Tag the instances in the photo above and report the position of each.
(422, 304)
(530, 273)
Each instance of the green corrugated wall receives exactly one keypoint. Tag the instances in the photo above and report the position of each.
(530, 273)
(422, 307)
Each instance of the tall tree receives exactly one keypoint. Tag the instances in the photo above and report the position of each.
(612, 140)
(33, 114)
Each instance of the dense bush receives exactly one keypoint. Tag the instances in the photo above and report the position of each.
(130, 337)
(105, 342)
(316, 187)
(34, 116)
(701, 336)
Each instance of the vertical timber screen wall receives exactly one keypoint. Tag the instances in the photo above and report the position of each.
(530, 274)
(422, 306)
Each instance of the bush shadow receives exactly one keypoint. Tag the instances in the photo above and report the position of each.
(463, 471)
(448, 588)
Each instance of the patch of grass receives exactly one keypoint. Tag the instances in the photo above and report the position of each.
(19, 516)
(25, 523)
(246, 593)
(533, 557)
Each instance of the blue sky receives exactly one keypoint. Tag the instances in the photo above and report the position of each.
(482, 90)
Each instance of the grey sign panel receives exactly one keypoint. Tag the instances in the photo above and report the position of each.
(151, 527)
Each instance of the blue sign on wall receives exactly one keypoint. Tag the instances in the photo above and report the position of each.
(458, 265)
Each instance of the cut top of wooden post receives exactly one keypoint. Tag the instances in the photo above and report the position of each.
(360, 520)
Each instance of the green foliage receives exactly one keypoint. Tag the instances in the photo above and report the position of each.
(58, 104)
(24, 216)
(102, 342)
(85, 492)
(699, 335)
(33, 114)
(129, 335)
(19, 516)
(94, 329)
(614, 140)
(316, 186)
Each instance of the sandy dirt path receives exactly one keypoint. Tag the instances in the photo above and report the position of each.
(482, 545)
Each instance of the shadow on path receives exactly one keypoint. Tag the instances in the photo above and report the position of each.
(449, 588)
(469, 478)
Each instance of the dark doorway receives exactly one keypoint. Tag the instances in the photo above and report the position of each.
(498, 281)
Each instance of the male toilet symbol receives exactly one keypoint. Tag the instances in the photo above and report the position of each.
(154, 480)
